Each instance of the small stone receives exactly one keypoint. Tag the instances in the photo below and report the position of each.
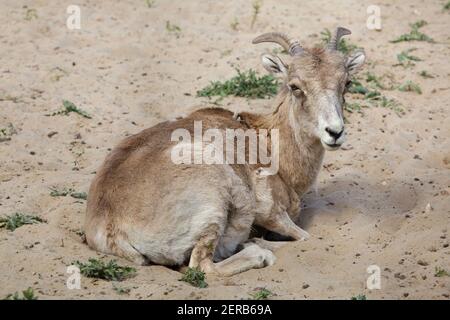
(51, 133)
(422, 263)
(400, 276)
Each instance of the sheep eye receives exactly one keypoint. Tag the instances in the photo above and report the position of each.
(295, 89)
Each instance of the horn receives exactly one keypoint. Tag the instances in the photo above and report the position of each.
(290, 45)
(334, 41)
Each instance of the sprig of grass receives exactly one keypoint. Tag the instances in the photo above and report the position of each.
(256, 10)
(31, 14)
(447, 6)
(16, 220)
(262, 294)
(195, 277)
(27, 294)
(410, 86)
(235, 24)
(55, 192)
(173, 28)
(353, 107)
(372, 96)
(79, 195)
(359, 297)
(6, 133)
(245, 84)
(121, 290)
(344, 45)
(414, 34)
(110, 271)
(69, 107)
(405, 59)
(149, 3)
(439, 272)
(375, 80)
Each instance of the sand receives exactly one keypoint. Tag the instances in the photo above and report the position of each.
(129, 72)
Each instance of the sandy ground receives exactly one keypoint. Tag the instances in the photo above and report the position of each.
(124, 68)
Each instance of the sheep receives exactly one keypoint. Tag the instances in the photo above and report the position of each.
(144, 207)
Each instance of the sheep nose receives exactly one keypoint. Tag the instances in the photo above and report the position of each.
(333, 133)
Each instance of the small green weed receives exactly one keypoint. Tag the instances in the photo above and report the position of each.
(414, 34)
(262, 294)
(405, 59)
(95, 268)
(195, 277)
(439, 272)
(245, 84)
(27, 294)
(359, 297)
(6, 133)
(410, 86)
(69, 107)
(17, 220)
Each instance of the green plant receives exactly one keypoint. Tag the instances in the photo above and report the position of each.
(359, 297)
(262, 294)
(31, 14)
(69, 107)
(439, 272)
(414, 34)
(195, 277)
(447, 6)
(353, 107)
(172, 28)
(79, 195)
(121, 290)
(405, 59)
(375, 80)
(95, 268)
(410, 86)
(245, 84)
(27, 294)
(55, 192)
(391, 104)
(256, 9)
(372, 96)
(344, 45)
(234, 25)
(17, 220)
(6, 133)
(149, 3)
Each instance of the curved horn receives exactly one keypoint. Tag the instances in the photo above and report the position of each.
(334, 41)
(290, 45)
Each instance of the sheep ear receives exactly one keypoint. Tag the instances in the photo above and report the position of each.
(273, 64)
(355, 62)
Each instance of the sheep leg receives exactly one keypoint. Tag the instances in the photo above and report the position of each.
(281, 223)
(251, 257)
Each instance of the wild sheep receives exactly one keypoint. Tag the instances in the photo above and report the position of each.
(144, 207)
